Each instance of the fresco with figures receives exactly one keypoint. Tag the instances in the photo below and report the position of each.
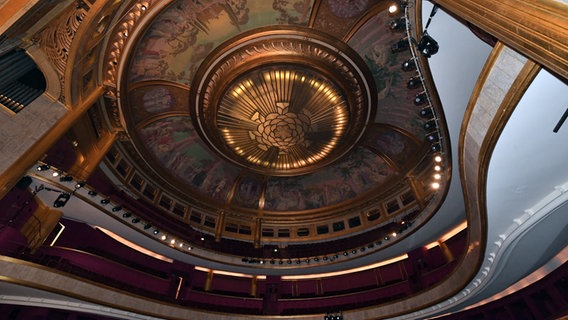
(185, 33)
(179, 39)
(369, 41)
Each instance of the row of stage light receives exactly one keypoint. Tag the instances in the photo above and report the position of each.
(426, 46)
(106, 204)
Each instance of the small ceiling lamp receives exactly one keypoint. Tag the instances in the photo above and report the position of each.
(393, 8)
(43, 167)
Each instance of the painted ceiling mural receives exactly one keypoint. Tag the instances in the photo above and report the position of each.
(180, 38)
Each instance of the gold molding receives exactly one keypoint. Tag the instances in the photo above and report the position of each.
(535, 28)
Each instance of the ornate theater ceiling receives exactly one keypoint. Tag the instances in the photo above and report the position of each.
(275, 122)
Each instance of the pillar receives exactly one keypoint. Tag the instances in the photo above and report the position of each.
(417, 190)
(257, 232)
(209, 280)
(17, 163)
(448, 255)
(254, 286)
(87, 163)
(220, 226)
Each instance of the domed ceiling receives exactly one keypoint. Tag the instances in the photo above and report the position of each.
(275, 121)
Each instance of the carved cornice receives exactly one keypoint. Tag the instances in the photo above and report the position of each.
(537, 29)
(56, 40)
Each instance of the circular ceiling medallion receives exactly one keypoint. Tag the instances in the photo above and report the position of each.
(282, 101)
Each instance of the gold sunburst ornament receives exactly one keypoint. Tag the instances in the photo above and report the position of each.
(281, 104)
(297, 118)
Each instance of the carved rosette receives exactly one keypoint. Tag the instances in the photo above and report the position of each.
(282, 101)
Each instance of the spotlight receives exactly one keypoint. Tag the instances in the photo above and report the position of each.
(147, 226)
(126, 215)
(66, 178)
(316, 259)
(409, 65)
(156, 231)
(117, 208)
(386, 238)
(346, 253)
(436, 147)
(92, 193)
(400, 45)
(55, 174)
(428, 46)
(135, 220)
(421, 98)
(43, 167)
(433, 137)
(430, 125)
(61, 200)
(79, 185)
(414, 82)
(426, 113)
(105, 201)
(398, 24)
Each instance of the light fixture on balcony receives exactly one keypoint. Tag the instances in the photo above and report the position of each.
(61, 200)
